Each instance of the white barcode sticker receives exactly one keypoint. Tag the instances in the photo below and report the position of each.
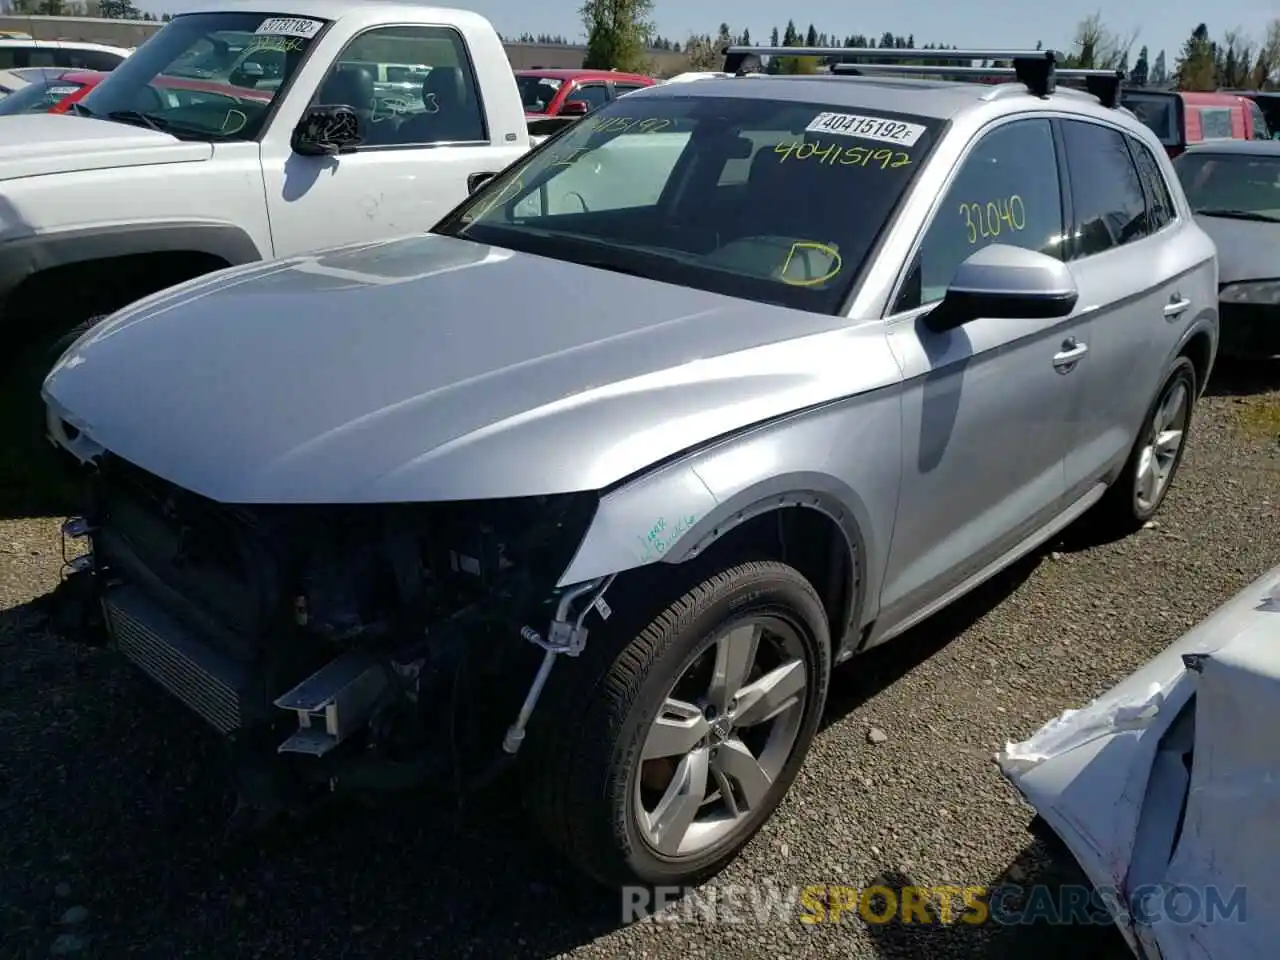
(867, 128)
(290, 27)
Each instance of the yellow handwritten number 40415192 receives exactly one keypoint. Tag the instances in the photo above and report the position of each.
(832, 153)
(988, 220)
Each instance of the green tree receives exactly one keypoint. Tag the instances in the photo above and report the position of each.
(1159, 71)
(1141, 69)
(618, 33)
(1195, 68)
(119, 10)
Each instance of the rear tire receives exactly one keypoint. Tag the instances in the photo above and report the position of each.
(605, 719)
(1138, 492)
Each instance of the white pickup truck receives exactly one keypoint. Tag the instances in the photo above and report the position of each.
(249, 131)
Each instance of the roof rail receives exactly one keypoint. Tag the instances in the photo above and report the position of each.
(1037, 69)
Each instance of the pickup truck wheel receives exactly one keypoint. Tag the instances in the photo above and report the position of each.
(1137, 493)
(694, 731)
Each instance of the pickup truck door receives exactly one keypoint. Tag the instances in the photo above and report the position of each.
(417, 158)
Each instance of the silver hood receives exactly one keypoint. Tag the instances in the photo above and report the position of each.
(39, 144)
(431, 368)
(1247, 249)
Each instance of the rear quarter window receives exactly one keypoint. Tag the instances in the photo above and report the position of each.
(1215, 123)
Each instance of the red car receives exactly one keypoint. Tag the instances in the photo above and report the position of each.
(170, 91)
(573, 93)
(1180, 118)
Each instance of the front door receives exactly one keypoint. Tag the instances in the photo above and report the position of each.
(417, 156)
(987, 408)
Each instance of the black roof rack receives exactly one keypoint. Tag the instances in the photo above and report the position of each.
(1037, 69)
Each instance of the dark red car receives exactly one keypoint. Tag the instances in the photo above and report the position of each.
(168, 90)
(572, 93)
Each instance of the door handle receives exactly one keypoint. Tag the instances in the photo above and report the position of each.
(1065, 360)
(1176, 307)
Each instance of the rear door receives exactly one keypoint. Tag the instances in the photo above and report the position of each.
(1139, 272)
(987, 408)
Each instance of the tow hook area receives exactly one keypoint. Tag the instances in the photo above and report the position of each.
(333, 703)
(73, 606)
(565, 636)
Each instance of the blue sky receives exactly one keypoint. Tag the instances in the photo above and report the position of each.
(976, 23)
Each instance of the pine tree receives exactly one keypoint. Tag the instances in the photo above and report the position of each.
(1195, 68)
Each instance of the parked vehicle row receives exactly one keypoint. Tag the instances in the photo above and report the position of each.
(1181, 118)
(234, 136)
(812, 385)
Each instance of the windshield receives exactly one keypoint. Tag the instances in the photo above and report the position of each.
(538, 92)
(773, 201)
(1231, 184)
(206, 76)
(39, 97)
(1159, 112)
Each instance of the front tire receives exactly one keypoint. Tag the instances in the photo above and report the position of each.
(694, 731)
(1140, 489)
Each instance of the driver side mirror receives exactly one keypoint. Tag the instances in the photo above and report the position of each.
(326, 132)
(575, 108)
(247, 74)
(1008, 283)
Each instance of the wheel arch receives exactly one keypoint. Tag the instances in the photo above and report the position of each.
(1199, 349)
(33, 264)
(669, 520)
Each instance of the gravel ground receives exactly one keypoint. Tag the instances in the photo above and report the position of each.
(108, 798)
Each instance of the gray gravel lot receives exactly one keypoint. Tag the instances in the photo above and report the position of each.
(110, 797)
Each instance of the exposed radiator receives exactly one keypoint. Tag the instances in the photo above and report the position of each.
(213, 686)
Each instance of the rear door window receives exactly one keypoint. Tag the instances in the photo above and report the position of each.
(92, 60)
(1160, 209)
(1259, 121)
(1215, 123)
(1110, 207)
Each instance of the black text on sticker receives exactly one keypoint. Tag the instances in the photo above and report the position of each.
(867, 128)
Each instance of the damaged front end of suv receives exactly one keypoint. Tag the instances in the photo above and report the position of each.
(336, 647)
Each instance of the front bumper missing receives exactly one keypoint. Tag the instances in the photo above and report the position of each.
(335, 702)
(215, 687)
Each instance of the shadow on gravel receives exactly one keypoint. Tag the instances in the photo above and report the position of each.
(1242, 378)
(1021, 908)
(34, 480)
(857, 680)
(109, 803)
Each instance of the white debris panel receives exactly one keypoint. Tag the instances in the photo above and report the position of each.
(1166, 789)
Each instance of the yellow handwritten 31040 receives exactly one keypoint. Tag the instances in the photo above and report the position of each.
(833, 153)
(988, 220)
(799, 248)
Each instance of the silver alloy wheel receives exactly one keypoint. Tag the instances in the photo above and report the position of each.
(721, 738)
(1165, 435)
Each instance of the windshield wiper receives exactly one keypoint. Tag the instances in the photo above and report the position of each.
(138, 119)
(1238, 215)
(80, 110)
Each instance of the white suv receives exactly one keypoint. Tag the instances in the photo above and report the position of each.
(60, 53)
